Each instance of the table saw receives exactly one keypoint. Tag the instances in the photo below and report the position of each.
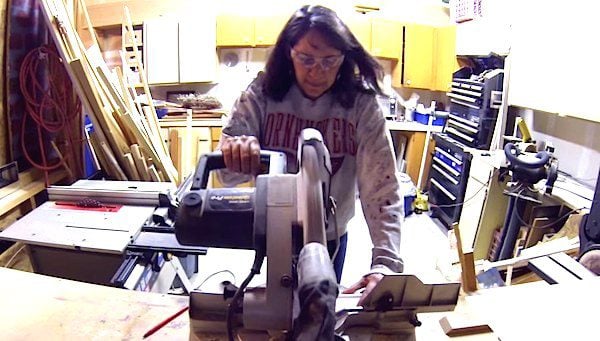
(116, 233)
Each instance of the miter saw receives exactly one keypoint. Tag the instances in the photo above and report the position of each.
(285, 218)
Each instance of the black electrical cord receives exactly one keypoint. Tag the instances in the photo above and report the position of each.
(214, 274)
(258, 259)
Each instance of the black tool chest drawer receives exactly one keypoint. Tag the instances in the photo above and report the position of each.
(474, 107)
(448, 178)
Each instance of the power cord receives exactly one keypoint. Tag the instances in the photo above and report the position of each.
(259, 256)
(51, 104)
(214, 274)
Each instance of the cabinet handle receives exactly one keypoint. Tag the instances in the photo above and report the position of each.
(408, 82)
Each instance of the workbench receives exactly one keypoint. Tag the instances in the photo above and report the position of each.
(42, 307)
(38, 307)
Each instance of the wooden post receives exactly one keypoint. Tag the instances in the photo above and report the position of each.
(467, 264)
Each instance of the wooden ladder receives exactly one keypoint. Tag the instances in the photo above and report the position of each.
(138, 86)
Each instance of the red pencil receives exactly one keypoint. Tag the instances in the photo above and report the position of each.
(165, 321)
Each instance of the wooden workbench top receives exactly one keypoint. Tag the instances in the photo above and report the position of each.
(37, 307)
(40, 307)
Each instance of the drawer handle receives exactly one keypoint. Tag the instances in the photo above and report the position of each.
(448, 155)
(450, 169)
(446, 175)
(444, 190)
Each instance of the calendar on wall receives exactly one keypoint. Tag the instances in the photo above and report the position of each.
(465, 10)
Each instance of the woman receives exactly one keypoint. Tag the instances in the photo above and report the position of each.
(319, 76)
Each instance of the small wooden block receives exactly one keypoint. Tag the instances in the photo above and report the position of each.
(459, 326)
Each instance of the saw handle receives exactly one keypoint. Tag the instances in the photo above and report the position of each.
(274, 161)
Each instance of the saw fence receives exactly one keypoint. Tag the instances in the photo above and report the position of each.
(126, 139)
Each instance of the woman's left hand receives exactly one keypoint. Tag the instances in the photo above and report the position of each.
(368, 282)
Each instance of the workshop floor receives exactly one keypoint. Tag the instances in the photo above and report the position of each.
(424, 248)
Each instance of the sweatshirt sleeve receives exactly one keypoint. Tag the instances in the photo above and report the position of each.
(378, 186)
(245, 118)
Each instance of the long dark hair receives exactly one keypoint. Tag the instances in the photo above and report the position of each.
(359, 72)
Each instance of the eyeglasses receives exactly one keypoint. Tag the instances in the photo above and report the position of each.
(309, 61)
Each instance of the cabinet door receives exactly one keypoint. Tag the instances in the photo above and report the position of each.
(386, 39)
(235, 30)
(418, 56)
(267, 29)
(361, 28)
(197, 49)
(445, 61)
(161, 51)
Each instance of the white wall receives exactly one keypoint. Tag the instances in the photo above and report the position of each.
(576, 142)
(552, 71)
(488, 33)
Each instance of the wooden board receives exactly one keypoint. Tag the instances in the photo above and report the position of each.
(539, 311)
(131, 168)
(467, 265)
(455, 326)
(27, 189)
(36, 307)
(140, 162)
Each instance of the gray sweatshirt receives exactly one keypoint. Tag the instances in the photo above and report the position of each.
(361, 155)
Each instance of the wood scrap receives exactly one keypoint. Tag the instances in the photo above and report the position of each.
(104, 164)
(131, 168)
(175, 144)
(62, 160)
(110, 158)
(559, 245)
(28, 188)
(153, 173)
(454, 325)
(469, 280)
(140, 162)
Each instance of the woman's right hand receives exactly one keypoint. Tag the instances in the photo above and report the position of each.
(241, 154)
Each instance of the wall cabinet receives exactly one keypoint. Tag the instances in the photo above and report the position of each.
(248, 31)
(445, 61)
(429, 58)
(360, 26)
(180, 50)
(381, 37)
(386, 39)
(417, 66)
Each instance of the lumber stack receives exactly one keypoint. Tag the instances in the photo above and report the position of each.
(126, 138)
